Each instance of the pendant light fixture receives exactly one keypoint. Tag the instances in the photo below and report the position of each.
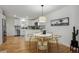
(42, 18)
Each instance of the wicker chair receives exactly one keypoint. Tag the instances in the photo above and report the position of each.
(54, 41)
(32, 43)
(42, 45)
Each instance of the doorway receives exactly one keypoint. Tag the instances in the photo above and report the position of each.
(4, 30)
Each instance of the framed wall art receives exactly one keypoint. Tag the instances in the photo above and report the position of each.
(60, 22)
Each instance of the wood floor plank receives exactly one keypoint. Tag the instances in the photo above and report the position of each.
(20, 45)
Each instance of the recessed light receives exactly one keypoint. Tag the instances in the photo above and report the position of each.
(22, 19)
(14, 15)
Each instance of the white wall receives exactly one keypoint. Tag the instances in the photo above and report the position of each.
(64, 31)
(1, 16)
(0, 28)
(10, 27)
(77, 19)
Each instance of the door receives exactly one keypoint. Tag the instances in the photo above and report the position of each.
(4, 30)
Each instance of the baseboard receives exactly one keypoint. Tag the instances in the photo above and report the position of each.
(10, 35)
(64, 44)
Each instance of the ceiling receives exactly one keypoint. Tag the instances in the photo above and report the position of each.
(29, 10)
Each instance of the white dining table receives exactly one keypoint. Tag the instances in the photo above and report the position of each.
(43, 35)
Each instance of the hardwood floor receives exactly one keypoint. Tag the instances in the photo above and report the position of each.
(20, 45)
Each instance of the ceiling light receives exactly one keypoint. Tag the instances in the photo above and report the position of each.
(42, 18)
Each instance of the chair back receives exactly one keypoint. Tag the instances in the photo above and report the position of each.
(42, 44)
